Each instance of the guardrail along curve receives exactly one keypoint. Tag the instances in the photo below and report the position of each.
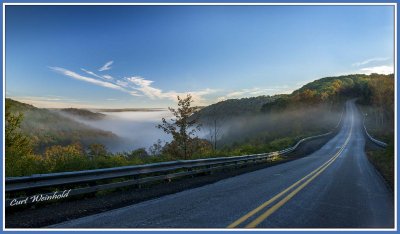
(139, 174)
(375, 141)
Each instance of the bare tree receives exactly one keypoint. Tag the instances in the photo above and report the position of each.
(214, 123)
(156, 148)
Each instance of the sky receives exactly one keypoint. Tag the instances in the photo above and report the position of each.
(145, 56)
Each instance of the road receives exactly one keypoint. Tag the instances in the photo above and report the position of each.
(334, 187)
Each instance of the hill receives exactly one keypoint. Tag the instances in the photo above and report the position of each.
(83, 113)
(331, 90)
(234, 107)
(313, 108)
(48, 127)
(334, 90)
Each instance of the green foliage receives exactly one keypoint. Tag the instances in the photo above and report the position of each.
(383, 160)
(195, 147)
(234, 107)
(17, 146)
(97, 150)
(43, 127)
(182, 128)
(138, 153)
(65, 158)
(36, 142)
(377, 106)
(382, 100)
(156, 148)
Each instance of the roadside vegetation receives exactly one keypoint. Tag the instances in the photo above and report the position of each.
(378, 110)
(266, 124)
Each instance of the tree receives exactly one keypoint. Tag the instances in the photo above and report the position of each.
(214, 124)
(138, 153)
(97, 150)
(182, 127)
(156, 148)
(65, 158)
(382, 97)
(17, 146)
(15, 141)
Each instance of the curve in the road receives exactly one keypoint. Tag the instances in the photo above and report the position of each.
(306, 179)
(334, 187)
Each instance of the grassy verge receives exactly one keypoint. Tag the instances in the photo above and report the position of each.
(383, 160)
(76, 207)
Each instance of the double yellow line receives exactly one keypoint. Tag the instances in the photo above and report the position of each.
(308, 178)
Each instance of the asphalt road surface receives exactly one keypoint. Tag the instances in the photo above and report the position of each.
(334, 187)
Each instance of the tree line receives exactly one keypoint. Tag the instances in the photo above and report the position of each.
(312, 109)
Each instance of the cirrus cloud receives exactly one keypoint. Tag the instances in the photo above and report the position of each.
(378, 69)
(135, 86)
(372, 60)
(106, 66)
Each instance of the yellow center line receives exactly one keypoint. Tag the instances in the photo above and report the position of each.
(278, 205)
(262, 206)
(312, 174)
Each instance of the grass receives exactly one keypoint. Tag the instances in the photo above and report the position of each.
(383, 160)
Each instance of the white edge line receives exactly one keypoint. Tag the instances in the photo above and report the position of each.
(205, 4)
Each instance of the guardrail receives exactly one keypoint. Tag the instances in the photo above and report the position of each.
(87, 181)
(377, 142)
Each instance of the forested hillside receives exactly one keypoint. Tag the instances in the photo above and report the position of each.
(234, 107)
(313, 108)
(83, 113)
(43, 141)
(332, 90)
(46, 127)
(375, 90)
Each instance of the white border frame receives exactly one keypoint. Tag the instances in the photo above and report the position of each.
(206, 4)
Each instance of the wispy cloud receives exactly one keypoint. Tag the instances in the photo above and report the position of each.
(378, 69)
(253, 92)
(384, 69)
(87, 79)
(104, 77)
(91, 73)
(107, 77)
(139, 86)
(122, 83)
(106, 66)
(145, 86)
(135, 86)
(365, 62)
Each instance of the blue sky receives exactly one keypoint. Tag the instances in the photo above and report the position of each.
(144, 56)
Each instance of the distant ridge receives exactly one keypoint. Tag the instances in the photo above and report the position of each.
(83, 113)
(129, 109)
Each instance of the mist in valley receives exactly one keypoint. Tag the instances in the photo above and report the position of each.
(138, 129)
(135, 129)
(262, 128)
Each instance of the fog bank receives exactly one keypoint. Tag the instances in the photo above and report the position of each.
(136, 129)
